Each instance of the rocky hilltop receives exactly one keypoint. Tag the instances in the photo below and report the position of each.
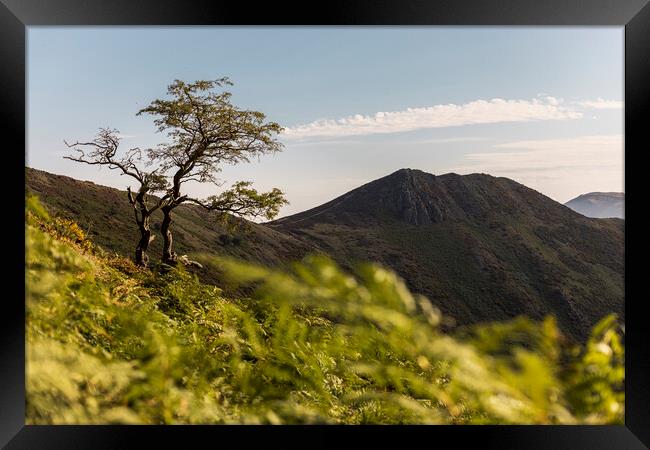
(480, 247)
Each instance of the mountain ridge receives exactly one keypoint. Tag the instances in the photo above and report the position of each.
(479, 247)
(412, 194)
(104, 213)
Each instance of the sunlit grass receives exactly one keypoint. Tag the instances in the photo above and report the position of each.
(108, 342)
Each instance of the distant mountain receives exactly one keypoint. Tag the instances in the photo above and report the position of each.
(481, 248)
(599, 204)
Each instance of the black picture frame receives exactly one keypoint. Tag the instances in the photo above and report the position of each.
(634, 15)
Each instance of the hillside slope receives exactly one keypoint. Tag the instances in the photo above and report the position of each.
(110, 343)
(106, 216)
(480, 247)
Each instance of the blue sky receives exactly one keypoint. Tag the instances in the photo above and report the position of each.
(542, 106)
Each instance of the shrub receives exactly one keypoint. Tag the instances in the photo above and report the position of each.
(108, 343)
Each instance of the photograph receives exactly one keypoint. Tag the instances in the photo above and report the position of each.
(340, 225)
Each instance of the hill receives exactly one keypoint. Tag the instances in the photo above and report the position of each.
(111, 343)
(479, 247)
(599, 204)
(106, 216)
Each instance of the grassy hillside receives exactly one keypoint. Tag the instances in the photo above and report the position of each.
(481, 248)
(107, 218)
(108, 342)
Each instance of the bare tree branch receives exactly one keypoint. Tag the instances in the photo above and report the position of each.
(103, 150)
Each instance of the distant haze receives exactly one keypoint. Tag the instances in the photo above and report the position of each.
(599, 204)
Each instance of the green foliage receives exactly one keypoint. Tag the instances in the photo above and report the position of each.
(243, 200)
(206, 132)
(595, 382)
(110, 343)
(61, 227)
(33, 206)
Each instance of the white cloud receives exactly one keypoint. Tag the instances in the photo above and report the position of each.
(560, 168)
(580, 143)
(437, 116)
(451, 140)
(600, 103)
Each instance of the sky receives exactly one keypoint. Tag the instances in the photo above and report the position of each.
(540, 105)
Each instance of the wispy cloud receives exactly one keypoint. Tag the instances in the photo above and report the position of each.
(558, 167)
(600, 103)
(550, 154)
(321, 142)
(437, 116)
(450, 140)
(581, 143)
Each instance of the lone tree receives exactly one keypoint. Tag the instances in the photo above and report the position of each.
(103, 150)
(207, 131)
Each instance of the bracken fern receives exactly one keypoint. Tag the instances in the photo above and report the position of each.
(108, 342)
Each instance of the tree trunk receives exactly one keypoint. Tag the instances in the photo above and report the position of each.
(141, 257)
(168, 256)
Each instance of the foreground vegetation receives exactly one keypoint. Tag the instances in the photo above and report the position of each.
(110, 342)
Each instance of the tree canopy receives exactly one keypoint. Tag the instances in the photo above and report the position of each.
(204, 131)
